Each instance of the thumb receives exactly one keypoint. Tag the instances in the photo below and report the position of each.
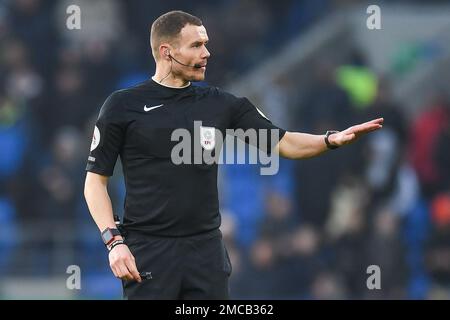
(349, 137)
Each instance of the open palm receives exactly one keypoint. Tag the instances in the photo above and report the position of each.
(350, 135)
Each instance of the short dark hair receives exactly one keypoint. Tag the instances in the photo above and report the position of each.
(168, 27)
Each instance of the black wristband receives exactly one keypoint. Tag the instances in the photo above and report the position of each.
(114, 244)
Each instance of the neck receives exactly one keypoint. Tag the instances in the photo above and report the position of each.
(168, 78)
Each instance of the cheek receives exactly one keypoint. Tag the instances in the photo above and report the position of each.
(187, 53)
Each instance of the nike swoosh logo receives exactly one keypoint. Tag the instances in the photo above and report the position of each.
(151, 108)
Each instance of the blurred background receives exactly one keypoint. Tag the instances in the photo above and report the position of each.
(309, 232)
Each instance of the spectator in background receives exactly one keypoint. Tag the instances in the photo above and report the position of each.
(22, 81)
(302, 260)
(346, 234)
(52, 179)
(13, 135)
(358, 80)
(9, 233)
(278, 219)
(23, 85)
(328, 286)
(386, 250)
(326, 105)
(442, 156)
(32, 23)
(326, 102)
(438, 247)
(385, 151)
(99, 41)
(15, 142)
(425, 133)
(259, 277)
(59, 179)
(68, 104)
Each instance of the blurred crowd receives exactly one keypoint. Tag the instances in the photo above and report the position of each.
(310, 231)
(383, 201)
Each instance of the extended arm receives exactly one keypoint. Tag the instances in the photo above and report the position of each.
(297, 145)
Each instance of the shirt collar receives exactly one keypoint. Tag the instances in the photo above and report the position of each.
(172, 87)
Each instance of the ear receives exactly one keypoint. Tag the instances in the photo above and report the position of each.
(164, 52)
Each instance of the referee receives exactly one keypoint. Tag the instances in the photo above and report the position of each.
(169, 245)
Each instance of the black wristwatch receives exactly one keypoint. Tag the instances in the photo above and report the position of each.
(329, 145)
(108, 235)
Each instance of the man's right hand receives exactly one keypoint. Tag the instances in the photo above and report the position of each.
(123, 264)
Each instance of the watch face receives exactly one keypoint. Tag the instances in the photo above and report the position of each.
(107, 236)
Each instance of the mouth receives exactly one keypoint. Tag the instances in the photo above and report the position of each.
(203, 66)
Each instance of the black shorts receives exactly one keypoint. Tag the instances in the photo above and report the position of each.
(194, 267)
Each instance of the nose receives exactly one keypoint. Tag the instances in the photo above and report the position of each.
(206, 54)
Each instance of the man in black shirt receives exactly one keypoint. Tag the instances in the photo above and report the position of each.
(170, 245)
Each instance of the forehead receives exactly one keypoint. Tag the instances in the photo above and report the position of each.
(191, 33)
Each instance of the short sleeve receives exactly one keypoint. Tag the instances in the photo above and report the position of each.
(247, 116)
(108, 136)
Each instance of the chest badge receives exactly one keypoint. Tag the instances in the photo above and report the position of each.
(207, 137)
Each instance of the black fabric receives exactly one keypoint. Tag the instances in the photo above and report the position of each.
(182, 268)
(163, 198)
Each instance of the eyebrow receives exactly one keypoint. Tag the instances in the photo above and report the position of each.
(199, 42)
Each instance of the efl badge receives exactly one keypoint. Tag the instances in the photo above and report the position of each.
(207, 137)
(261, 113)
(95, 139)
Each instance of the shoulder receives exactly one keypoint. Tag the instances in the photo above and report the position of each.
(227, 98)
(113, 105)
(119, 98)
(222, 93)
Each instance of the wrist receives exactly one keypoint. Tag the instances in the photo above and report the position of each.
(109, 235)
(114, 244)
(119, 237)
(330, 139)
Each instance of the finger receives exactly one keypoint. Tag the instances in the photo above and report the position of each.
(376, 121)
(369, 124)
(124, 273)
(118, 273)
(371, 128)
(114, 271)
(364, 128)
(349, 137)
(131, 265)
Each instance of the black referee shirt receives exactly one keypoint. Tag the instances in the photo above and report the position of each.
(163, 198)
